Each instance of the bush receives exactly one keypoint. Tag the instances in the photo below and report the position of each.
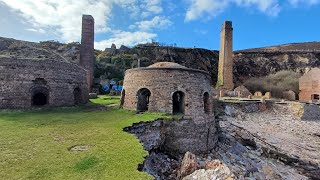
(275, 83)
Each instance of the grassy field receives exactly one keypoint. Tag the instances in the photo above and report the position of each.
(35, 144)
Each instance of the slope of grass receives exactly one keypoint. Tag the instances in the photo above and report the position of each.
(35, 144)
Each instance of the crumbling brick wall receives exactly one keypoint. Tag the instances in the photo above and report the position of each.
(18, 78)
(309, 85)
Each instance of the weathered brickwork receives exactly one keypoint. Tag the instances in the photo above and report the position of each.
(225, 70)
(163, 80)
(87, 48)
(309, 86)
(63, 83)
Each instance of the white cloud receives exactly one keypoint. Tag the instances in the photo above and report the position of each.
(159, 22)
(199, 8)
(62, 18)
(150, 7)
(211, 8)
(125, 38)
(269, 7)
(295, 3)
(36, 30)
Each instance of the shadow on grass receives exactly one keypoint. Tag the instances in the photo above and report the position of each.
(86, 163)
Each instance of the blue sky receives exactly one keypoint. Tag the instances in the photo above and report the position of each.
(187, 23)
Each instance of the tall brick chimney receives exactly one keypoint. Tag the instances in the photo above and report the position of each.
(225, 71)
(87, 48)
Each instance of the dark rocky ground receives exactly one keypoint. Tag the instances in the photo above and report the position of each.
(272, 144)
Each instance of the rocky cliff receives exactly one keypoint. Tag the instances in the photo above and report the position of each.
(257, 62)
(113, 62)
(298, 57)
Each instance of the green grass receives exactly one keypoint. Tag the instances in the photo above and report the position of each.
(106, 100)
(35, 144)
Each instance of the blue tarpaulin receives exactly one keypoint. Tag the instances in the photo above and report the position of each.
(105, 88)
(117, 88)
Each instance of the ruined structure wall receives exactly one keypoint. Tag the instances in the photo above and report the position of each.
(225, 69)
(162, 83)
(309, 84)
(17, 79)
(87, 48)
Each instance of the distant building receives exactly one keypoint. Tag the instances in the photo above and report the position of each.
(309, 86)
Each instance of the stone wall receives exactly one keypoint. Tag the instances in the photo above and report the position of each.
(19, 78)
(225, 72)
(163, 83)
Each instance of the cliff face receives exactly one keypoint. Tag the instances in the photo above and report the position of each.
(261, 63)
(192, 58)
(43, 51)
(248, 63)
(118, 60)
(113, 62)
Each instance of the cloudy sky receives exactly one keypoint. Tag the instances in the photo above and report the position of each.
(187, 23)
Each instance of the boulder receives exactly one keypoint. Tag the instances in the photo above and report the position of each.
(189, 164)
(242, 91)
(214, 170)
(93, 95)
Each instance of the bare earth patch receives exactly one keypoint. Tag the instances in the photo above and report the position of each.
(79, 148)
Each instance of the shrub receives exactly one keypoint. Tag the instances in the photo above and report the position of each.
(275, 83)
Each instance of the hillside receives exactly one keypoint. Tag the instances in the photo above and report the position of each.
(305, 47)
(257, 62)
(113, 62)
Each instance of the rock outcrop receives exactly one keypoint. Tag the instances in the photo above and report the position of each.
(113, 62)
(189, 164)
(221, 172)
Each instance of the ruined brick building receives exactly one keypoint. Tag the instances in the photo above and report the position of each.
(174, 89)
(170, 88)
(309, 86)
(26, 82)
(47, 79)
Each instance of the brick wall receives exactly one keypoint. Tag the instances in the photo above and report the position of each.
(162, 83)
(17, 79)
(309, 84)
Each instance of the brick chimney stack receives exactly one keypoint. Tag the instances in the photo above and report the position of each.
(87, 48)
(225, 71)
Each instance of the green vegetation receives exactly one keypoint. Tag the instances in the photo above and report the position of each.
(106, 100)
(275, 83)
(35, 144)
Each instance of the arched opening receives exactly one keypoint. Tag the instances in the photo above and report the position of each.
(123, 95)
(143, 96)
(178, 102)
(77, 96)
(40, 96)
(206, 103)
(315, 97)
